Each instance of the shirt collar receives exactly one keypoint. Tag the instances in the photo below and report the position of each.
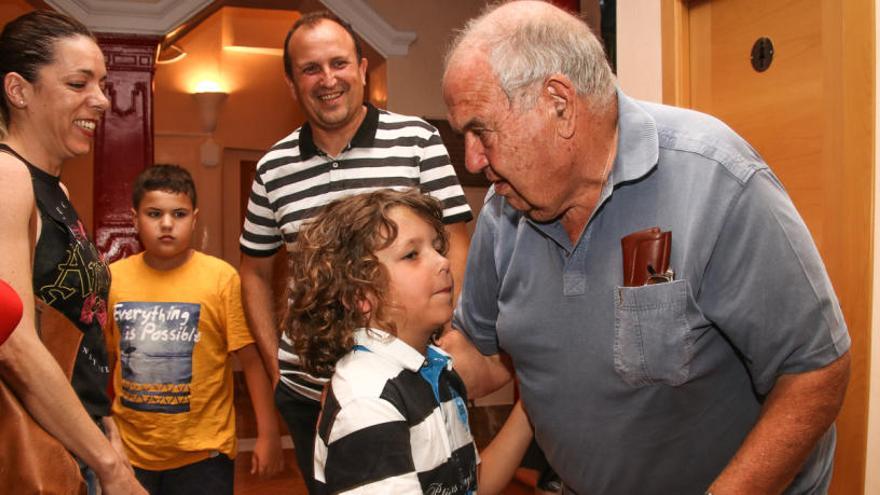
(638, 147)
(638, 151)
(390, 347)
(363, 137)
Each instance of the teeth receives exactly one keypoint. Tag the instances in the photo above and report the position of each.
(85, 124)
(330, 96)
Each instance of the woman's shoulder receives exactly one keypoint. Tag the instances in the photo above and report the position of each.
(16, 216)
(17, 183)
(12, 167)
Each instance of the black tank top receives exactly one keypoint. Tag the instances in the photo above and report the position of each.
(72, 277)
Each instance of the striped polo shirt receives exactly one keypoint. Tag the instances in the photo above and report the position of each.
(395, 421)
(295, 178)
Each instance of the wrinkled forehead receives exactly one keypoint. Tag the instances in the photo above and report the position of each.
(470, 86)
(468, 68)
(465, 55)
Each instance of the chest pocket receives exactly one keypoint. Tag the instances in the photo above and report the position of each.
(652, 339)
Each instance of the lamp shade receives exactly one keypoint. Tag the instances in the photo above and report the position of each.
(209, 108)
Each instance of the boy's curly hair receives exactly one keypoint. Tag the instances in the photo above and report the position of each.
(333, 268)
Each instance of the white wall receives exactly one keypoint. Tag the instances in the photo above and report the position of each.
(639, 49)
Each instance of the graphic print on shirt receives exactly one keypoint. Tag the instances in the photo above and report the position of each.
(155, 352)
(83, 272)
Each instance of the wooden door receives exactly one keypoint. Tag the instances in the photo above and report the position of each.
(810, 115)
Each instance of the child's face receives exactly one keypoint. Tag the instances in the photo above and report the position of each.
(165, 222)
(420, 283)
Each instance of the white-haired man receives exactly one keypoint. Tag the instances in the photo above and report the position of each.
(726, 378)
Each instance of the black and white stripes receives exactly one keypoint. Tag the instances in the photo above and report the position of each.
(383, 429)
(294, 179)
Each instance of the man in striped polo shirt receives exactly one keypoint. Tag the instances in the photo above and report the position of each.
(346, 146)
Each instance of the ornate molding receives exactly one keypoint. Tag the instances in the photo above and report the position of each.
(123, 141)
(387, 40)
(151, 17)
(138, 89)
(129, 53)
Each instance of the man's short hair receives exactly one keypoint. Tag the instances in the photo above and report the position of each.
(311, 20)
(163, 177)
(525, 51)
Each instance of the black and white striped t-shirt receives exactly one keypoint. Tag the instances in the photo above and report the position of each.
(295, 178)
(394, 421)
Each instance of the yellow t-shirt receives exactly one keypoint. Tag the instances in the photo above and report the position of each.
(171, 334)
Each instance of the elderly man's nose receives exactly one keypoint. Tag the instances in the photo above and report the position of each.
(475, 159)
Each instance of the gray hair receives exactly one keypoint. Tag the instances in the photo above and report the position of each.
(524, 50)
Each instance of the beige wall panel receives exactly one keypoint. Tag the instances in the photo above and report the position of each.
(810, 115)
(414, 79)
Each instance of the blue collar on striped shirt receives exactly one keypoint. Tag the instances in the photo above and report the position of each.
(435, 363)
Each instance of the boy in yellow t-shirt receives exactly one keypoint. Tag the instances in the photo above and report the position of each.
(177, 317)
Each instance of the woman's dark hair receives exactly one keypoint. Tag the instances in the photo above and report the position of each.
(27, 43)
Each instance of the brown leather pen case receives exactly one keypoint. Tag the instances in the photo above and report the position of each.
(645, 255)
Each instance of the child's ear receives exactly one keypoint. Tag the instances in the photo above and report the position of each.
(364, 306)
(134, 219)
(195, 218)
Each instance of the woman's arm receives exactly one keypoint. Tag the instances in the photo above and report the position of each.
(25, 364)
(267, 458)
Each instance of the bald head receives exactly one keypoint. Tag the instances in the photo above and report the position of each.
(525, 42)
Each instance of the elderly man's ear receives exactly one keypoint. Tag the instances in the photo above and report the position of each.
(562, 96)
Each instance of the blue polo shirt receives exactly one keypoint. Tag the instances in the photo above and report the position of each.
(652, 389)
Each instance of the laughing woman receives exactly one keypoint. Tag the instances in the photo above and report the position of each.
(51, 99)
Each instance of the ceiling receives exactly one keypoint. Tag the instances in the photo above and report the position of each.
(169, 20)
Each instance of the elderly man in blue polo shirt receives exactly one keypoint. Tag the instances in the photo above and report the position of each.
(727, 377)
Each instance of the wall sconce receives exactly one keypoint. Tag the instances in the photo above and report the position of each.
(209, 103)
